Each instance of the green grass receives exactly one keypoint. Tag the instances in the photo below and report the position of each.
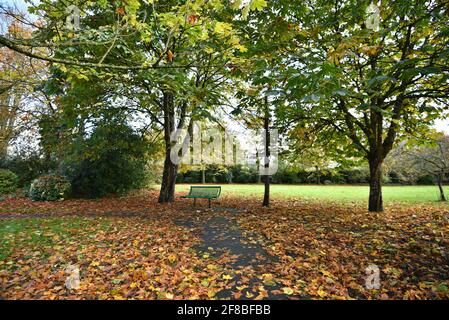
(404, 194)
(40, 233)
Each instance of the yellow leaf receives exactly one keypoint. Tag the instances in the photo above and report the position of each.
(288, 291)
(258, 4)
(321, 293)
(222, 28)
(172, 258)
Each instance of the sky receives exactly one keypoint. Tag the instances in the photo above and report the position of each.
(441, 125)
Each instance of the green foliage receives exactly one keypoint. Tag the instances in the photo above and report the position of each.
(8, 181)
(29, 167)
(112, 160)
(426, 180)
(50, 188)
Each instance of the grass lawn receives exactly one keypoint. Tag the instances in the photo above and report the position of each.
(407, 194)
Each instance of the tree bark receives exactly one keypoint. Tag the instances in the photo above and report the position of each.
(266, 197)
(440, 186)
(375, 190)
(259, 177)
(203, 176)
(167, 193)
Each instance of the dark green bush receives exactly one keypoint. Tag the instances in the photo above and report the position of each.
(8, 181)
(29, 167)
(244, 174)
(50, 188)
(355, 176)
(426, 180)
(286, 175)
(111, 161)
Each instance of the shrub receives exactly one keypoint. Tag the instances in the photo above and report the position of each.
(111, 161)
(244, 174)
(426, 180)
(29, 167)
(49, 188)
(8, 181)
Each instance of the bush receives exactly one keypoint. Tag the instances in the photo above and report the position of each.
(355, 176)
(426, 180)
(8, 181)
(111, 161)
(30, 167)
(50, 188)
(244, 174)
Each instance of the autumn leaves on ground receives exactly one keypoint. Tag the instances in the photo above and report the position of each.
(134, 248)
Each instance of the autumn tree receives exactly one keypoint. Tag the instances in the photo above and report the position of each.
(367, 85)
(425, 156)
(20, 77)
(179, 52)
(260, 90)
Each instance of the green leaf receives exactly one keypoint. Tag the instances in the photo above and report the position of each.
(258, 5)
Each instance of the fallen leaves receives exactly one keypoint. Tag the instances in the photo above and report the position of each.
(118, 258)
(132, 248)
(323, 250)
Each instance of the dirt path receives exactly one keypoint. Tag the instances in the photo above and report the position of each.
(222, 233)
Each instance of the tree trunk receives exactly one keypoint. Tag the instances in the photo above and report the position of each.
(440, 186)
(259, 177)
(203, 176)
(375, 190)
(3, 150)
(266, 197)
(167, 193)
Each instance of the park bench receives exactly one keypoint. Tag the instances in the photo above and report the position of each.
(203, 192)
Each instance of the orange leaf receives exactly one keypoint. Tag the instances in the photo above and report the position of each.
(170, 56)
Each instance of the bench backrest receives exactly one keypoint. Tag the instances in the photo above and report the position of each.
(205, 191)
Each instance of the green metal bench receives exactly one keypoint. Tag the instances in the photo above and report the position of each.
(203, 192)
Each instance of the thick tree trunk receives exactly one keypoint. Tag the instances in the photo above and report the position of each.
(375, 190)
(440, 186)
(266, 197)
(167, 193)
